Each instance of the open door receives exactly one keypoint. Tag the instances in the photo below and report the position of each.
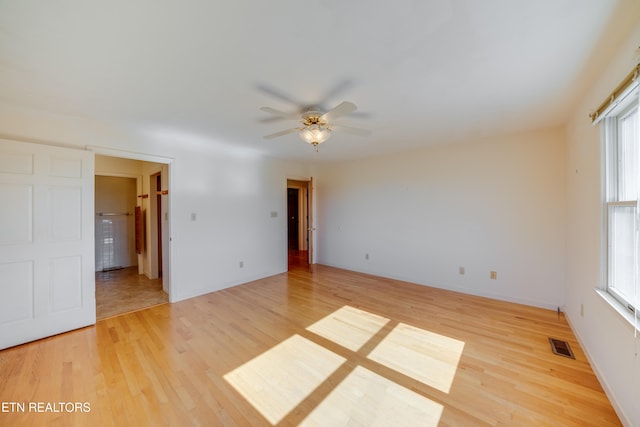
(46, 241)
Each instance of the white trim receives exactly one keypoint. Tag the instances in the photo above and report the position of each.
(310, 215)
(298, 178)
(106, 151)
(610, 144)
(618, 308)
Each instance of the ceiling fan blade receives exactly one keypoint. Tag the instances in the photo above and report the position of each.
(280, 113)
(339, 111)
(334, 92)
(271, 119)
(281, 133)
(280, 94)
(352, 130)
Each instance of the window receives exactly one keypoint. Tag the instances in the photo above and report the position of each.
(622, 182)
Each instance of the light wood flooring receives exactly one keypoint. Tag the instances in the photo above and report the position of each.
(124, 290)
(297, 259)
(314, 346)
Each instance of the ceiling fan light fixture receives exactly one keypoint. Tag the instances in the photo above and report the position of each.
(315, 134)
(316, 126)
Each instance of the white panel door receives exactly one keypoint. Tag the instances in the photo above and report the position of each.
(47, 281)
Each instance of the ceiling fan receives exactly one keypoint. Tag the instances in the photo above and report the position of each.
(316, 126)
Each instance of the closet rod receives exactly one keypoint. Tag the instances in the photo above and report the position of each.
(113, 214)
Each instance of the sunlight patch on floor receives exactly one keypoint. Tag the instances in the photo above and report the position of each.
(349, 327)
(365, 398)
(279, 379)
(424, 356)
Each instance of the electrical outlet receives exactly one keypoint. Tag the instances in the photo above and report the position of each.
(581, 310)
(494, 275)
(461, 270)
(241, 264)
(366, 256)
(193, 216)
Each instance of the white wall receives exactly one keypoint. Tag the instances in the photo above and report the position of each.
(496, 204)
(232, 192)
(607, 339)
(232, 198)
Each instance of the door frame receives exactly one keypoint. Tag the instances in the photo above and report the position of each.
(154, 266)
(310, 210)
(299, 216)
(167, 258)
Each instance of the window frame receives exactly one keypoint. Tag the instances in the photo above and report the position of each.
(611, 178)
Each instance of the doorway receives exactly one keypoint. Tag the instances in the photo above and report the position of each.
(293, 218)
(143, 280)
(299, 232)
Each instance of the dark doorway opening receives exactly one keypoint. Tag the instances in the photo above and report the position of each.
(293, 220)
(298, 230)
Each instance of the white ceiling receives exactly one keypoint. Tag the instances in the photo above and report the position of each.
(421, 72)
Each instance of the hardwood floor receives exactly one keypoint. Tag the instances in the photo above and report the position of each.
(321, 347)
(124, 290)
(297, 259)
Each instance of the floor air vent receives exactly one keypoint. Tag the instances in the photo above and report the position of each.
(561, 348)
